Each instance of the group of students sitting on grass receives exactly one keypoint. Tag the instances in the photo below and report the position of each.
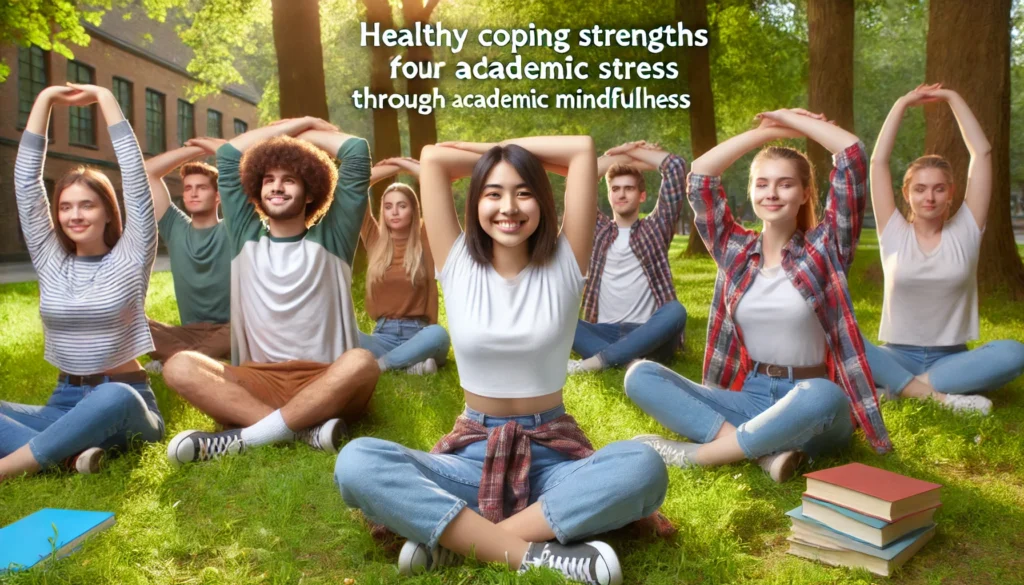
(787, 372)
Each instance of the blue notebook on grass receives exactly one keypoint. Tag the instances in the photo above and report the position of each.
(48, 533)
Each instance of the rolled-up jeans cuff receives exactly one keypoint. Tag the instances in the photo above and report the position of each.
(716, 426)
(42, 459)
(435, 536)
(560, 535)
(903, 384)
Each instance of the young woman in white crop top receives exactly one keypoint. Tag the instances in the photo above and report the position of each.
(781, 327)
(93, 278)
(516, 474)
(930, 261)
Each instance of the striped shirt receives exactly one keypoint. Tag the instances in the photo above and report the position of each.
(649, 238)
(93, 308)
(816, 264)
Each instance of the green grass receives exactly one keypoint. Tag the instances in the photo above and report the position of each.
(274, 515)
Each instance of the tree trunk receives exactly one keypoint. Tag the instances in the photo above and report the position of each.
(830, 74)
(980, 72)
(703, 132)
(387, 141)
(422, 127)
(300, 62)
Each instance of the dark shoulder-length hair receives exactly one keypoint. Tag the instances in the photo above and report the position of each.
(544, 239)
(99, 184)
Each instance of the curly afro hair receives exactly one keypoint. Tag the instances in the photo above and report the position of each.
(315, 168)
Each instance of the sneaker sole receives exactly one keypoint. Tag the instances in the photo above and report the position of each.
(406, 558)
(610, 559)
(335, 432)
(89, 461)
(172, 448)
(784, 468)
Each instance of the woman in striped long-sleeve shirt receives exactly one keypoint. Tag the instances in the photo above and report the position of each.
(93, 278)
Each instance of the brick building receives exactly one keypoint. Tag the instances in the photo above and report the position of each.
(143, 62)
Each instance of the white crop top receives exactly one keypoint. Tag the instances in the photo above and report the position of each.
(777, 324)
(511, 337)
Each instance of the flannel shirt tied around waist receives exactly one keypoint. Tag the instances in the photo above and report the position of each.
(508, 458)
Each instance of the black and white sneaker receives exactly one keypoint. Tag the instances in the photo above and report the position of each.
(594, 562)
(189, 446)
(417, 558)
(326, 436)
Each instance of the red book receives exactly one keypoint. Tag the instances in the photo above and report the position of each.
(872, 491)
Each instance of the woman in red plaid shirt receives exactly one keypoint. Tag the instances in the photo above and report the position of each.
(781, 329)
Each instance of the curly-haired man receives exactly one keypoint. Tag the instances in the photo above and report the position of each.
(293, 221)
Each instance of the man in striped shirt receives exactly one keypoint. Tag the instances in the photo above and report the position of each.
(630, 308)
(293, 223)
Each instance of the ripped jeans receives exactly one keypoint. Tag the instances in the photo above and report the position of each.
(770, 414)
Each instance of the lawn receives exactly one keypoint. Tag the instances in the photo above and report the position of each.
(275, 516)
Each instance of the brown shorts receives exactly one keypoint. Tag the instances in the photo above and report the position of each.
(211, 339)
(275, 384)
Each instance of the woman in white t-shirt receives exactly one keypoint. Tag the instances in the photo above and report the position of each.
(516, 480)
(930, 262)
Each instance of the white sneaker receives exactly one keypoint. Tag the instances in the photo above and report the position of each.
(575, 367)
(967, 403)
(89, 461)
(154, 367)
(427, 366)
(416, 558)
(674, 453)
(325, 437)
(781, 466)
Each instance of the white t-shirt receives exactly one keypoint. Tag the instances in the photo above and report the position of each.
(778, 325)
(625, 295)
(931, 299)
(511, 336)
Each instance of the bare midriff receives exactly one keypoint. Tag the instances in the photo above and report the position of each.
(512, 406)
(132, 366)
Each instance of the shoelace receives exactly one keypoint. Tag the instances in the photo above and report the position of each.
(576, 568)
(311, 436)
(670, 454)
(215, 446)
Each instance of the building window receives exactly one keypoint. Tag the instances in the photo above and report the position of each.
(186, 121)
(123, 91)
(214, 124)
(32, 78)
(240, 127)
(155, 138)
(81, 121)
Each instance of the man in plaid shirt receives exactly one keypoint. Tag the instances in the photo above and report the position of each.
(630, 308)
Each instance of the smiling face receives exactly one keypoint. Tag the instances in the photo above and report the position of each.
(82, 216)
(200, 194)
(508, 209)
(283, 195)
(625, 195)
(397, 211)
(776, 190)
(929, 193)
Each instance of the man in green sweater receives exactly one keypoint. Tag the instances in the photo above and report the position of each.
(297, 372)
(197, 242)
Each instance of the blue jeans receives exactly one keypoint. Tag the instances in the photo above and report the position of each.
(79, 417)
(405, 342)
(770, 414)
(620, 343)
(417, 494)
(951, 369)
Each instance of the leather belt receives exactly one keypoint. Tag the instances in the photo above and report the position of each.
(798, 372)
(137, 377)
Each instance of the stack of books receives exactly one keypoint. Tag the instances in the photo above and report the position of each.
(856, 515)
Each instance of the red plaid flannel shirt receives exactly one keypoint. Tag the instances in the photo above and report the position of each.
(816, 264)
(507, 461)
(649, 238)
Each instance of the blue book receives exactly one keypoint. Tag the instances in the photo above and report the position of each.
(48, 533)
(815, 541)
(862, 527)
